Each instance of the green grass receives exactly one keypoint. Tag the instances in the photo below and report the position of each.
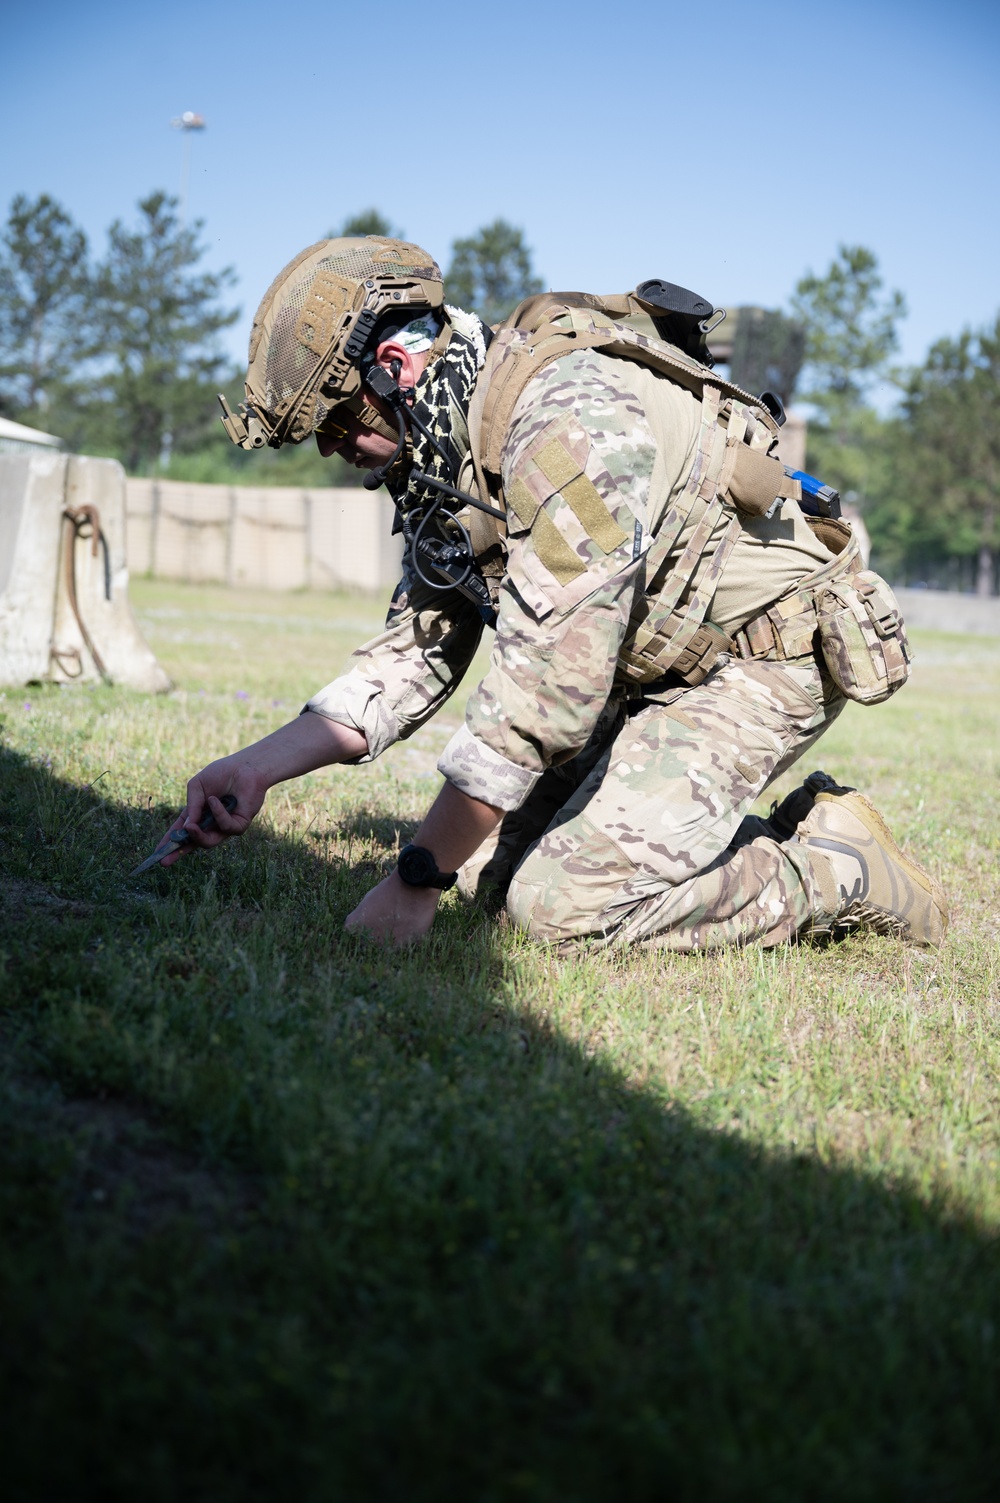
(284, 1215)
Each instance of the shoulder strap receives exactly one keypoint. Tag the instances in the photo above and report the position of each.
(543, 328)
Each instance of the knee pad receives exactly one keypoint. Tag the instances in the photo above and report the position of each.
(525, 909)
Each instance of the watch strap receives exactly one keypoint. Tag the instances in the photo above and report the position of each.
(418, 868)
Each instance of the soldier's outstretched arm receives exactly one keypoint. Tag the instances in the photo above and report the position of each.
(301, 746)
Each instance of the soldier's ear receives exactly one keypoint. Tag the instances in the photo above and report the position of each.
(410, 366)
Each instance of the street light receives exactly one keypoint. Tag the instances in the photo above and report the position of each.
(186, 124)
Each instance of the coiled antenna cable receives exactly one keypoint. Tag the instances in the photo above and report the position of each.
(446, 548)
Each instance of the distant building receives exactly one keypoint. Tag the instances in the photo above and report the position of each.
(18, 438)
(763, 350)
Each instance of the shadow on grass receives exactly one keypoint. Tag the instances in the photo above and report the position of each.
(285, 1215)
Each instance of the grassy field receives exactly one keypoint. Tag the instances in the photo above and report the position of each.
(284, 1215)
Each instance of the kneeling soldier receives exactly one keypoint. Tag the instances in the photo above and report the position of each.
(677, 618)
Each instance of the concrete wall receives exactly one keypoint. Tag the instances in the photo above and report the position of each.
(272, 538)
(947, 610)
(277, 538)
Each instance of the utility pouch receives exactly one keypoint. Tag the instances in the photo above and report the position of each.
(863, 637)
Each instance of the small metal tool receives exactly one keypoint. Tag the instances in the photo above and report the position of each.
(178, 839)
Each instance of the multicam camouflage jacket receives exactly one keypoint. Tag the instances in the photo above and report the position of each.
(598, 450)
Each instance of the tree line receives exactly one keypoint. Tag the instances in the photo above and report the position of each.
(116, 356)
(927, 476)
(122, 355)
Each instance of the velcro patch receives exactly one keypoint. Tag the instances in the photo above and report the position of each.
(328, 298)
(593, 515)
(557, 464)
(561, 470)
(554, 552)
(523, 504)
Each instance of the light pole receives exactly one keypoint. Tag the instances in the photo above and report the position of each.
(186, 124)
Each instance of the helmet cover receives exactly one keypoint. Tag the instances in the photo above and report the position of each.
(316, 323)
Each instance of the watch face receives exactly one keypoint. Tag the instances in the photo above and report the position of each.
(416, 865)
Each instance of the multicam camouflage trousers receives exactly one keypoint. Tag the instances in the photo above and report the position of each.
(644, 837)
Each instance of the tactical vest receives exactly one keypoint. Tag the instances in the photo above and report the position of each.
(667, 631)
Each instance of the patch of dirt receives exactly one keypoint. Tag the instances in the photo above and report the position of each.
(129, 1166)
(124, 1165)
(19, 899)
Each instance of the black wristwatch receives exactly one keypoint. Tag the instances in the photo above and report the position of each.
(417, 868)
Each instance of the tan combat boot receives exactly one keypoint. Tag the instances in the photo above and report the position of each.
(874, 885)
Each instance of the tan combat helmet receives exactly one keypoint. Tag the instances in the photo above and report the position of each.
(313, 328)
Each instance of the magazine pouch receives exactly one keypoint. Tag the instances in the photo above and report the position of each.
(863, 637)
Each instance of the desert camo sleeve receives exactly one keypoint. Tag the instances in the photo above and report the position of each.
(576, 465)
(403, 676)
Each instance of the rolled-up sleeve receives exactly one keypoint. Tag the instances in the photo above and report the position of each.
(402, 677)
(576, 469)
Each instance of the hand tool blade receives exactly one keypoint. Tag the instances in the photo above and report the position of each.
(176, 840)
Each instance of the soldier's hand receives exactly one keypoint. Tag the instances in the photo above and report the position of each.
(235, 775)
(394, 913)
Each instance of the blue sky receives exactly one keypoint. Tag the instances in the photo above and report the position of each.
(727, 147)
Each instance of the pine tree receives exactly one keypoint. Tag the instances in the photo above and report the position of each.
(367, 222)
(491, 272)
(850, 332)
(951, 416)
(850, 336)
(156, 318)
(45, 290)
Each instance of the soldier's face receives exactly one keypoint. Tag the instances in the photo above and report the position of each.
(359, 445)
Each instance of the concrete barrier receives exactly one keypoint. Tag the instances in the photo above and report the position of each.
(272, 538)
(64, 607)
